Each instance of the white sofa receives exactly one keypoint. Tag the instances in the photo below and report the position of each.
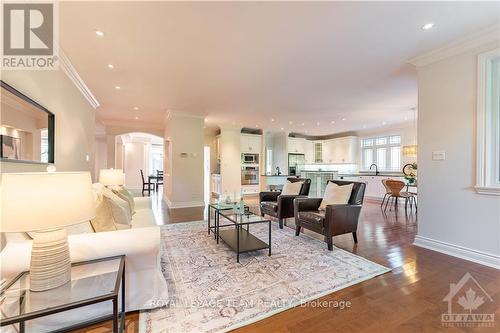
(145, 285)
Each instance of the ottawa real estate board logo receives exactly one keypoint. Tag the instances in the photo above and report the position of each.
(29, 35)
(468, 305)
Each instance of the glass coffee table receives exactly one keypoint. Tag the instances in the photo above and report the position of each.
(217, 207)
(237, 237)
(92, 282)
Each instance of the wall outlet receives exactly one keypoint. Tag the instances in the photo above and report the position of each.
(439, 155)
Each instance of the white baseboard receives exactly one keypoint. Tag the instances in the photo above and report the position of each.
(183, 204)
(461, 252)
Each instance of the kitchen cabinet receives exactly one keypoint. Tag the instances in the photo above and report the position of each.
(250, 143)
(297, 145)
(341, 150)
(309, 151)
(374, 187)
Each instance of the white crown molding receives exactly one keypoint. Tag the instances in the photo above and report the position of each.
(469, 42)
(461, 252)
(73, 75)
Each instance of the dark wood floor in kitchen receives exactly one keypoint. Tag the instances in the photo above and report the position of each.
(408, 299)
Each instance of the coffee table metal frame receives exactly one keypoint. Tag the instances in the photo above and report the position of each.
(240, 239)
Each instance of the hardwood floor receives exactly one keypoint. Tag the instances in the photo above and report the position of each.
(408, 299)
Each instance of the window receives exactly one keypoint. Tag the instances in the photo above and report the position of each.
(385, 151)
(156, 159)
(318, 152)
(488, 123)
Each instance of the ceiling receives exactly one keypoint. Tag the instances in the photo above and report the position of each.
(297, 66)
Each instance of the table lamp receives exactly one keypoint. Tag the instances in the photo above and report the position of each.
(45, 203)
(111, 177)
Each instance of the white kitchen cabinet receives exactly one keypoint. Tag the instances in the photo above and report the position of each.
(327, 151)
(309, 151)
(297, 145)
(374, 187)
(250, 143)
(343, 150)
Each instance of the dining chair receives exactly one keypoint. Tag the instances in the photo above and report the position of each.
(159, 179)
(395, 186)
(146, 185)
(387, 191)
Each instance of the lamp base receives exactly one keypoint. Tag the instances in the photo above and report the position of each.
(50, 263)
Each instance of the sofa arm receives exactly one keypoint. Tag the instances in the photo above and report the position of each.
(268, 196)
(342, 219)
(143, 203)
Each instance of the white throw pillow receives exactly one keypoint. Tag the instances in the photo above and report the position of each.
(291, 188)
(336, 195)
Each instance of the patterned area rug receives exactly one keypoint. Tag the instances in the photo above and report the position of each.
(210, 292)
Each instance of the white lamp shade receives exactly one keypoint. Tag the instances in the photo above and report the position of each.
(111, 177)
(42, 201)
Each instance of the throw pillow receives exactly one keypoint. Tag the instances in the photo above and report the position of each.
(292, 188)
(119, 208)
(336, 195)
(103, 220)
(127, 196)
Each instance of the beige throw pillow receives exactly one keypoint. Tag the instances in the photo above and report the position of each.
(119, 208)
(127, 196)
(336, 195)
(291, 188)
(103, 220)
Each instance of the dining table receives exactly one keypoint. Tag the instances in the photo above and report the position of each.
(155, 179)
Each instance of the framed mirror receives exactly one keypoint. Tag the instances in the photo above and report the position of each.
(26, 128)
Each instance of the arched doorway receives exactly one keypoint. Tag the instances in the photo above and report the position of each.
(138, 151)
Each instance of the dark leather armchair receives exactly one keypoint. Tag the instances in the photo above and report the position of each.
(281, 206)
(336, 219)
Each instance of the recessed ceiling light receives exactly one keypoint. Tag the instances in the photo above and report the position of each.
(118, 87)
(343, 119)
(427, 26)
(136, 108)
(333, 122)
(290, 122)
(136, 118)
(384, 123)
(256, 126)
(110, 66)
(282, 129)
(302, 124)
(317, 123)
(272, 119)
(99, 33)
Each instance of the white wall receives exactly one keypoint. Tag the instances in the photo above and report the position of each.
(183, 175)
(75, 119)
(136, 157)
(101, 160)
(452, 217)
(230, 161)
